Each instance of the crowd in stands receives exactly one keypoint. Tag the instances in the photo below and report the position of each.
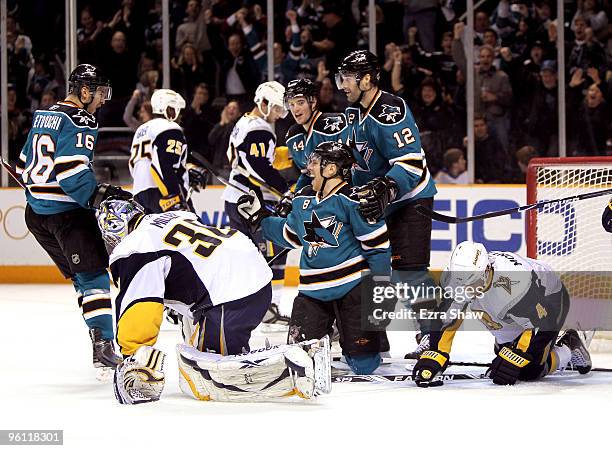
(219, 56)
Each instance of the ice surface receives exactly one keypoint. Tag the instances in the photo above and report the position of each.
(48, 382)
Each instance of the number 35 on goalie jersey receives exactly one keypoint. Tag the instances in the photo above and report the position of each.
(172, 258)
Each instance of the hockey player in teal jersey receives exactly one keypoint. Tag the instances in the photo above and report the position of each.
(55, 166)
(337, 246)
(312, 127)
(391, 176)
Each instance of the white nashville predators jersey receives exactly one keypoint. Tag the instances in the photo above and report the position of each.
(172, 258)
(251, 153)
(158, 157)
(515, 295)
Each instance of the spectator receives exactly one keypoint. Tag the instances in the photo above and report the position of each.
(18, 124)
(198, 120)
(454, 169)
(523, 156)
(490, 159)
(145, 111)
(406, 76)
(47, 99)
(219, 137)
(592, 123)
(88, 34)
(187, 71)
(194, 29)
(423, 15)
(328, 101)
(542, 121)
(119, 64)
(493, 93)
(586, 51)
(339, 36)
(594, 16)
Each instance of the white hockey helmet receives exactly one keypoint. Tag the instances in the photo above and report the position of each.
(115, 218)
(273, 93)
(468, 264)
(162, 99)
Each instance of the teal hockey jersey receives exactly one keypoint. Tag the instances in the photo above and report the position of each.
(337, 243)
(322, 127)
(55, 162)
(387, 142)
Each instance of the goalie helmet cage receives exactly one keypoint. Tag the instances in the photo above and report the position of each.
(570, 237)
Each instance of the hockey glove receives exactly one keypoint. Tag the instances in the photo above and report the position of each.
(284, 206)
(506, 367)
(374, 197)
(197, 177)
(140, 378)
(173, 203)
(606, 218)
(103, 191)
(429, 365)
(251, 208)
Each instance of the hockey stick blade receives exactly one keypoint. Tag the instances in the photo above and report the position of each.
(425, 211)
(8, 168)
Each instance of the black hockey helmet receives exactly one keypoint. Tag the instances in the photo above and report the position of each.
(90, 76)
(357, 64)
(338, 153)
(302, 87)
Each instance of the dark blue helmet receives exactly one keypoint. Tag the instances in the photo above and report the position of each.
(302, 87)
(90, 76)
(357, 64)
(338, 153)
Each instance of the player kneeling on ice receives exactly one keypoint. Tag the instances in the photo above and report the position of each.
(220, 283)
(521, 301)
(337, 246)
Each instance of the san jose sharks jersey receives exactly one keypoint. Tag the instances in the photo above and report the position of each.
(337, 243)
(171, 258)
(387, 142)
(158, 162)
(301, 141)
(521, 295)
(251, 154)
(55, 162)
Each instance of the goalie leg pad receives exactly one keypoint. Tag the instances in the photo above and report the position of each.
(140, 378)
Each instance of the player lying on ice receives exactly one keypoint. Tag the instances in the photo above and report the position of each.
(338, 244)
(220, 283)
(522, 302)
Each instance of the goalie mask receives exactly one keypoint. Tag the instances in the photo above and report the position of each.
(117, 218)
(167, 103)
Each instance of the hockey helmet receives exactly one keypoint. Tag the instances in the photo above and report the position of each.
(116, 218)
(302, 87)
(358, 64)
(272, 92)
(335, 152)
(469, 264)
(92, 77)
(162, 99)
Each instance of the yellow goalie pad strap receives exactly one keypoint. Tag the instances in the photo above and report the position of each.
(525, 340)
(510, 356)
(167, 203)
(139, 326)
(433, 355)
(282, 159)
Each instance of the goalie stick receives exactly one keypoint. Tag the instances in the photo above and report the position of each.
(11, 172)
(458, 220)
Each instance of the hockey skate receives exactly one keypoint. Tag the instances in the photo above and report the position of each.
(104, 358)
(581, 359)
(423, 345)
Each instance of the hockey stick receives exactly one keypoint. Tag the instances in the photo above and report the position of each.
(11, 172)
(458, 220)
(406, 377)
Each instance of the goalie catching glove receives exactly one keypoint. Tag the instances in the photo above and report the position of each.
(251, 207)
(429, 365)
(506, 367)
(140, 377)
(374, 197)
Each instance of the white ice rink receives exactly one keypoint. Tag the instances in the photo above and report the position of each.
(48, 382)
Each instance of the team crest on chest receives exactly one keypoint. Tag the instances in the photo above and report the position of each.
(333, 124)
(321, 233)
(506, 283)
(390, 112)
(83, 117)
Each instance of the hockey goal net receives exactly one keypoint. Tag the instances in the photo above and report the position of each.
(570, 237)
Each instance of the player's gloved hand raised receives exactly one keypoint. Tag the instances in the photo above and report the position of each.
(103, 191)
(197, 177)
(284, 206)
(374, 197)
(430, 364)
(506, 367)
(251, 208)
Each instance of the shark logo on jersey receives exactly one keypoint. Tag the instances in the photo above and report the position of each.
(506, 283)
(363, 154)
(390, 112)
(321, 233)
(333, 123)
(83, 117)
